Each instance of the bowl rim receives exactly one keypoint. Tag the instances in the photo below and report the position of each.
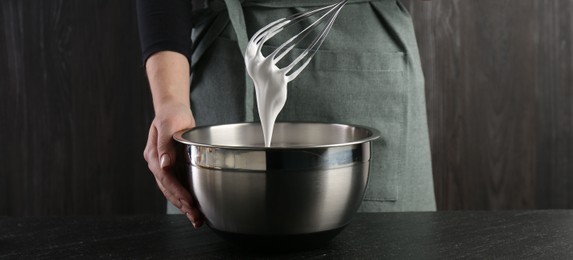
(178, 137)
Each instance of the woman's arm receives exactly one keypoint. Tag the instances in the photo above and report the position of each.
(168, 74)
(165, 30)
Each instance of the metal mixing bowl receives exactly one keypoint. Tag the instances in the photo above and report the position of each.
(308, 184)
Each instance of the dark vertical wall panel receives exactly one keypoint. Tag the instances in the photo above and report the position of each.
(5, 127)
(555, 106)
(499, 89)
(75, 110)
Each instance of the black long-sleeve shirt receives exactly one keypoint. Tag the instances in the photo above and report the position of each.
(164, 25)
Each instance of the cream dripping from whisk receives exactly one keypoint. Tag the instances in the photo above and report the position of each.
(270, 89)
(271, 81)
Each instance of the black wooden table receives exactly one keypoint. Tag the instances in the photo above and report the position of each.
(438, 235)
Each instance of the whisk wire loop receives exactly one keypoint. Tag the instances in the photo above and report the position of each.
(272, 29)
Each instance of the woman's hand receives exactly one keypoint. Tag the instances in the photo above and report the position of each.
(168, 74)
(159, 153)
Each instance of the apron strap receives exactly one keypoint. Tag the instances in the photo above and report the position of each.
(204, 35)
(238, 21)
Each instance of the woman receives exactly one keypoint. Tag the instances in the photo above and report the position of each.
(367, 72)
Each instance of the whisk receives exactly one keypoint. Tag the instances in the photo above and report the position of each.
(255, 45)
(270, 80)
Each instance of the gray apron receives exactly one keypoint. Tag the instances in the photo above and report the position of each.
(367, 72)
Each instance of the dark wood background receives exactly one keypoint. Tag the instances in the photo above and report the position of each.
(499, 79)
(75, 107)
(75, 110)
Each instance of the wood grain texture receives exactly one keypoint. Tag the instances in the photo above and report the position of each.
(498, 86)
(554, 88)
(75, 110)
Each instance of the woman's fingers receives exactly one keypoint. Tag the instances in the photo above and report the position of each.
(181, 197)
(176, 194)
(153, 165)
(166, 152)
(168, 195)
(167, 183)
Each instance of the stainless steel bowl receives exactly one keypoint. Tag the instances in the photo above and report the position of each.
(311, 181)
